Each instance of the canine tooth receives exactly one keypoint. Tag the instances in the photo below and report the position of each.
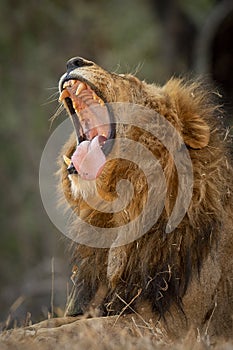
(76, 106)
(77, 110)
(63, 95)
(67, 160)
(80, 88)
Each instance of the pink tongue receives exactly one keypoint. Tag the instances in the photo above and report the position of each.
(89, 159)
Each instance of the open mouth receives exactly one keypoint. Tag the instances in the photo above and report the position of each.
(93, 125)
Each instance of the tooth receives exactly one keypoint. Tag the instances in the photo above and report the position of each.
(76, 106)
(72, 82)
(67, 160)
(77, 110)
(94, 96)
(63, 95)
(69, 83)
(101, 102)
(80, 88)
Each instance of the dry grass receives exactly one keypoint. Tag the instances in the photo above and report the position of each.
(109, 333)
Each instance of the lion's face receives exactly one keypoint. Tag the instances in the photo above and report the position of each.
(87, 91)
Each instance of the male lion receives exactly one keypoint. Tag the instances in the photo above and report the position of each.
(182, 275)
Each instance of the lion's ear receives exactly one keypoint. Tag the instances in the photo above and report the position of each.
(196, 132)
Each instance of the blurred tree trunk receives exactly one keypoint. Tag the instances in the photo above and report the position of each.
(178, 35)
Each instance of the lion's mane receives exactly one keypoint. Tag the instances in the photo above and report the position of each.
(158, 270)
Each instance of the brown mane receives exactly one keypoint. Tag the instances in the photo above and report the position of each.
(159, 267)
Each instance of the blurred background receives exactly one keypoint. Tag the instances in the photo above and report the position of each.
(155, 39)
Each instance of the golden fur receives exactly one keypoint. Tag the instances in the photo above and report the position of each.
(184, 277)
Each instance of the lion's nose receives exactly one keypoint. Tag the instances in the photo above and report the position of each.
(77, 62)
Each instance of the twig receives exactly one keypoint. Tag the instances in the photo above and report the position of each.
(127, 304)
(52, 287)
(135, 312)
(211, 316)
(137, 328)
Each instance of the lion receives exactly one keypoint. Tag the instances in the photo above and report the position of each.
(177, 277)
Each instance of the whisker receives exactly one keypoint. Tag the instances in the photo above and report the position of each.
(59, 110)
(51, 88)
(117, 69)
(138, 68)
(50, 101)
(52, 98)
(55, 94)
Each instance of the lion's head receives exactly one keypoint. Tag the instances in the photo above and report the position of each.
(158, 265)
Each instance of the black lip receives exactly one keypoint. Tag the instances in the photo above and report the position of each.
(107, 147)
(75, 120)
(71, 169)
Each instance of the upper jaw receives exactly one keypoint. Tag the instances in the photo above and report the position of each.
(82, 78)
(89, 113)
